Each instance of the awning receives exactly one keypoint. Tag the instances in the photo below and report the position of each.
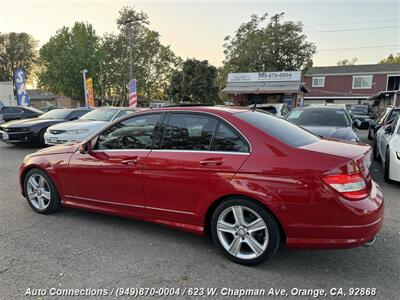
(266, 88)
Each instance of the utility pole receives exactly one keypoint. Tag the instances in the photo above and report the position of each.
(84, 71)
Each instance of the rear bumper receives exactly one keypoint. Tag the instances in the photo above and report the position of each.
(355, 229)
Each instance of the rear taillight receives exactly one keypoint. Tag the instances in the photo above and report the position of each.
(351, 185)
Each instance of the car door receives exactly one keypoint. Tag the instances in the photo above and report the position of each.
(111, 174)
(387, 136)
(195, 156)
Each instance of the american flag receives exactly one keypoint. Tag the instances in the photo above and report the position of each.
(132, 93)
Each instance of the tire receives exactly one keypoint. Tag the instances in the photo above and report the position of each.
(41, 141)
(254, 244)
(41, 193)
(386, 167)
(369, 134)
(375, 152)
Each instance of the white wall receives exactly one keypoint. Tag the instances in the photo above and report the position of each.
(7, 93)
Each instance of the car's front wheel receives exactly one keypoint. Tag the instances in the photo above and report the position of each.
(40, 192)
(386, 167)
(245, 231)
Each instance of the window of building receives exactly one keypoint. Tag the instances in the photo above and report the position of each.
(362, 82)
(318, 81)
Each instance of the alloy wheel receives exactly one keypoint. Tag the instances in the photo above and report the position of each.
(38, 191)
(242, 232)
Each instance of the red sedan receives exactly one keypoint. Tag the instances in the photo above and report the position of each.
(249, 179)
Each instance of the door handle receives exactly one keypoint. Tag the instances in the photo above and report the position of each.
(212, 162)
(131, 161)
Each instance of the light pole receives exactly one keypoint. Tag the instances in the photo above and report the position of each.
(84, 71)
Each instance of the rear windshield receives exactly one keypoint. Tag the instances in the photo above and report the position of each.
(279, 128)
(320, 117)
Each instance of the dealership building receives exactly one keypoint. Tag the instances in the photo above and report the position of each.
(265, 87)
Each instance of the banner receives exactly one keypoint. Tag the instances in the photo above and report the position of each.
(90, 92)
(20, 79)
(132, 93)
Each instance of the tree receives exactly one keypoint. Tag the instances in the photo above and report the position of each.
(153, 63)
(64, 56)
(16, 49)
(276, 46)
(391, 59)
(347, 62)
(196, 82)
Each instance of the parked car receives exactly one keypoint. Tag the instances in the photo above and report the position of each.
(361, 113)
(387, 149)
(10, 113)
(31, 131)
(247, 178)
(49, 108)
(279, 109)
(385, 117)
(328, 121)
(85, 126)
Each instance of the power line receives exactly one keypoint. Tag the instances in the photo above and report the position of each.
(359, 48)
(356, 29)
(350, 23)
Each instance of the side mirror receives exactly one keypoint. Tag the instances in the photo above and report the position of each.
(85, 147)
(388, 128)
(357, 123)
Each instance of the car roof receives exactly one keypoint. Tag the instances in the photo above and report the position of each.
(207, 109)
(321, 106)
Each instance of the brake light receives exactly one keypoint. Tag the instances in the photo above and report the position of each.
(350, 185)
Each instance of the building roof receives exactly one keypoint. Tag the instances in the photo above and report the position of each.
(361, 69)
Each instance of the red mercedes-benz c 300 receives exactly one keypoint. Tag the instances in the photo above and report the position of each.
(249, 179)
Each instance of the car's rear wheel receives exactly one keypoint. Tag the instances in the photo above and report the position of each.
(245, 231)
(40, 192)
(386, 167)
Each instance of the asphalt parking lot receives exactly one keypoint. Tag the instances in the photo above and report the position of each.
(77, 249)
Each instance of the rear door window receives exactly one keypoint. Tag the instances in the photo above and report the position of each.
(188, 132)
(278, 128)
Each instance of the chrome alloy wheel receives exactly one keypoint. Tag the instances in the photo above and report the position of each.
(242, 232)
(38, 191)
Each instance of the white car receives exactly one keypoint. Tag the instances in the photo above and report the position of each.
(85, 126)
(279, 109)
(387, 149)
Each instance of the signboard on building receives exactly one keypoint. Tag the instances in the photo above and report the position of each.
(265, 76)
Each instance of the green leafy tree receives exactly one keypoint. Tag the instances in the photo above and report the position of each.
(196, 82)
(391, 59)
(347, 62)
(17, 49)
(275, 46)
(65, 55)
(153, 63)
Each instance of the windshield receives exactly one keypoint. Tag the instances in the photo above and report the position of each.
(279, 128)
(100, 115)
(320, 117)
(35, 110)
(56, 114)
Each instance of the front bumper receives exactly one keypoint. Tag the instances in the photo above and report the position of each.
(25, 137)
(57, 139)
(357, 227)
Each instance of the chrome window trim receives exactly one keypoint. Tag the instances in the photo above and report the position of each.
(201, 151)
(121, 150)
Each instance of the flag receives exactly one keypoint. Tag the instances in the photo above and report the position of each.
(132, 93)
(20, 79)
(89, 92)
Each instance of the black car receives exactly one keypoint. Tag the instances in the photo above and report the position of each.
(329, 121)
(31, 131)
(385, 117)
(49, 108)
(361, 113)
(10, 113)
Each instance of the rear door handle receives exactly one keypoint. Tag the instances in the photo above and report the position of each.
(212, 162)
(130, 161)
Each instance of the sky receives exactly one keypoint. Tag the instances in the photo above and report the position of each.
(368, 30)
